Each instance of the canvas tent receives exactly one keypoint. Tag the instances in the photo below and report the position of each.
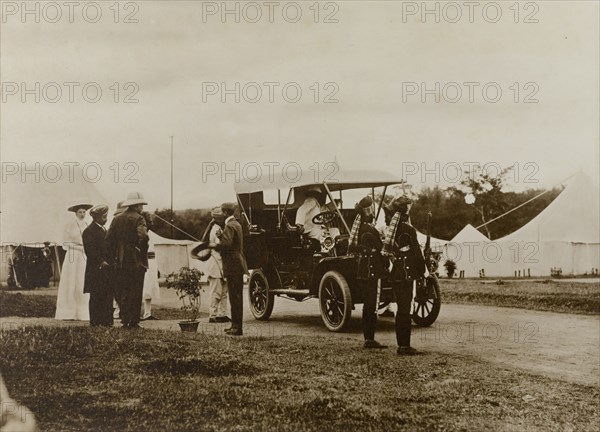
(565, 235)
(171, 255)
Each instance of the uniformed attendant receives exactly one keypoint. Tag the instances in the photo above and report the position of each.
(365, 242)
(402, 246)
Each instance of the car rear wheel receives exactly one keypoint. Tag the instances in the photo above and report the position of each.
(427, 304)
(335, 301)
(261, 300)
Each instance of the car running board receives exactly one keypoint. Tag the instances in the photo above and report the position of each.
(291, 292)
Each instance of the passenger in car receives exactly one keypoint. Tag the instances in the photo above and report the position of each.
(315, 199)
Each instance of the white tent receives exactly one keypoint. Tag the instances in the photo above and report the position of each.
(171, 255)
(574, 216)
(436, 243)
(469, 234)
(565, 235)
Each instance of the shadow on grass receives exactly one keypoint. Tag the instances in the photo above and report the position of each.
(82, 378)
(198, 366)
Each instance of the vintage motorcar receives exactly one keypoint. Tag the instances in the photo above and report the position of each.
(285, 264)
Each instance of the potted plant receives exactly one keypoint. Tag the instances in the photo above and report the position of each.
(186, 283)
(450, 268)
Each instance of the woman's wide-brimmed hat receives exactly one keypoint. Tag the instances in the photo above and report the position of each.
(78, 204)
(201, 251)
(134, 198)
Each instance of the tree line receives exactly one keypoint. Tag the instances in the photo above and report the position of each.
(479, 199)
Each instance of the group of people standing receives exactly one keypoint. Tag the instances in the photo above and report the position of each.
(112, 264)
(102, 266)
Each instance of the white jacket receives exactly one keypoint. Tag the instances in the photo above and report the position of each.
(214, 265)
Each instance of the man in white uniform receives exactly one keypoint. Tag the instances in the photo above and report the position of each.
(219, 293)
(309, 209)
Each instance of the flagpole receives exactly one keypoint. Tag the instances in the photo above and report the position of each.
(171, 186)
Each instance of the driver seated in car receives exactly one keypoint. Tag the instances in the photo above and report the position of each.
(315, 199)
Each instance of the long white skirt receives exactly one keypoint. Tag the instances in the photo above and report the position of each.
(151, 287)
(72, 303)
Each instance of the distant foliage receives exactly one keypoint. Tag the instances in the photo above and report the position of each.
(450, 213)
(191, 221)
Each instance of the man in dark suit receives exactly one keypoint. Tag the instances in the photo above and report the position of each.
(231, 249)
(97, 270)
(409, 265)
(127, 241)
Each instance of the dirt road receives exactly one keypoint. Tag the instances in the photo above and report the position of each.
(556, 345)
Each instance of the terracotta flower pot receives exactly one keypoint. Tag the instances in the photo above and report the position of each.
(189, 326)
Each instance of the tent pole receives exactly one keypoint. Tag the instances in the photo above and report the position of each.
(58, 262)
(12, 263)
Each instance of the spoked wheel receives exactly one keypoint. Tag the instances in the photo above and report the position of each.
(335, 301)
(427, 303)
(261, 300)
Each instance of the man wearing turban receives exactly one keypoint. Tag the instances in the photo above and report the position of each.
(217, 310)
(97, 276)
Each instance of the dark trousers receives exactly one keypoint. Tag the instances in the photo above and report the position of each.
(235, 284)
(403, 293)
(130, 283)
(117, 294)
(101, 306)
(369, 314)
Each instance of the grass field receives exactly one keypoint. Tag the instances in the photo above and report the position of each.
(82, 378)
(567, 297)
(24, 305)
(548, 295)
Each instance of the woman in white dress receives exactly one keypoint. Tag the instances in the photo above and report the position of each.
(72, 303)
(151, 287)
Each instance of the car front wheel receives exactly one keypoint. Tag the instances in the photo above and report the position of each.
(261, 300)
(335, 301)
(427, 303)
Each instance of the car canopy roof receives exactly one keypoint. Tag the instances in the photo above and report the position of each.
(335, 180)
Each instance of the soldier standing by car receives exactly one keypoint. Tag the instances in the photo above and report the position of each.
(365, 241)
(408, 265)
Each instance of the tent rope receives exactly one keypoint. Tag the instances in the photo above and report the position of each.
(526, 202)
(169, 223)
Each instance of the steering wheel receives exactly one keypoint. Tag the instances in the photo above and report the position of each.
(324, 217)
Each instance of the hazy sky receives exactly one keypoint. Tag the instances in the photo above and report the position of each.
(379, 61)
